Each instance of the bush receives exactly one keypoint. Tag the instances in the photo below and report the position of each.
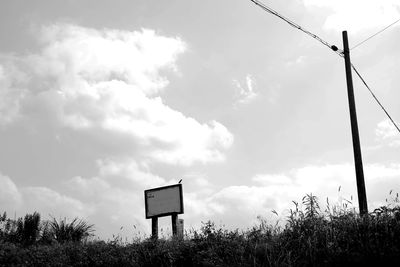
(75, 231)
(336, 237)
(30, 230)
(25, 231)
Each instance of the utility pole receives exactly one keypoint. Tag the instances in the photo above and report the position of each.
(362, 196)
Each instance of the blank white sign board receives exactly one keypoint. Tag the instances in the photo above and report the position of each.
(164, 201)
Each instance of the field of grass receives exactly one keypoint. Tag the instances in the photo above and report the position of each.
(335, 236)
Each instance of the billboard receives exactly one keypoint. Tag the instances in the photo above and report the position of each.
(163, 201)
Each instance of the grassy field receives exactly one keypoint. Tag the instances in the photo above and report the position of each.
(335, 236)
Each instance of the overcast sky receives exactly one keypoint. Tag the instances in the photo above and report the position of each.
(100, 100)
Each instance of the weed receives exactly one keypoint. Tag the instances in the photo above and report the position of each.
(336, 237)
(75, 231)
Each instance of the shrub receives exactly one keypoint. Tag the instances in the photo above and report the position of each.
(336, 237)
(29, 228)
(25, 231)
(75, 231)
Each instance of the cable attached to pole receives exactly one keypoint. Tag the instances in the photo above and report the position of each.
(297, 26)
(375, 34)
(332, 47)
(374, 96)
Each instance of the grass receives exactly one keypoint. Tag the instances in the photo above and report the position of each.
(336, 236)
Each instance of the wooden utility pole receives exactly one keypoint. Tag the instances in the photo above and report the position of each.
(362, 196)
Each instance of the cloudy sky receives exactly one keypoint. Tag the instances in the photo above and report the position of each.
(100, 100)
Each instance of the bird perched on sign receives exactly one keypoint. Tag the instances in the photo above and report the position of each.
(180, 181)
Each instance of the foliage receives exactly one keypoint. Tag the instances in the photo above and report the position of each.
(25, 231)
(337, 236)
(30, 230)
(75, 231)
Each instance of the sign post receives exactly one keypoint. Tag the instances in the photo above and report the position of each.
(163, 201)
(180, 228)
(154, 227)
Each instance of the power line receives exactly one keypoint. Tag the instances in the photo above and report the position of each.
(297, 26)
(374, 96)
(332, 47)
(375, 34)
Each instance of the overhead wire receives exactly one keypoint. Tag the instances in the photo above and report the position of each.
(375, 34)
(297, 26)
(332, 47)
(374, 96)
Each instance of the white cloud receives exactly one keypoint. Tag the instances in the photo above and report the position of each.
(358, 15)
(376, 172)
(10, 197)
(268, 179)
(238, 206)
(195, 142)
(114, 197)
(386, 131)
(22, 200)
(128, 174)
(50, 202)
(246, 92)
(108, 82)
(111, 199)
(10, 95)
(243, 198)
(105, 88)
(77, 57)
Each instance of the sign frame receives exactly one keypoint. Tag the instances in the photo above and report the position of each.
(146, 192)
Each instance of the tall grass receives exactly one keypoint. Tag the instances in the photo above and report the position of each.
(76, 230)
(335, 236)
(24, 230)
(31, 230)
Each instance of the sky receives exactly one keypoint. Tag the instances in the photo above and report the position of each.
(101, 100)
